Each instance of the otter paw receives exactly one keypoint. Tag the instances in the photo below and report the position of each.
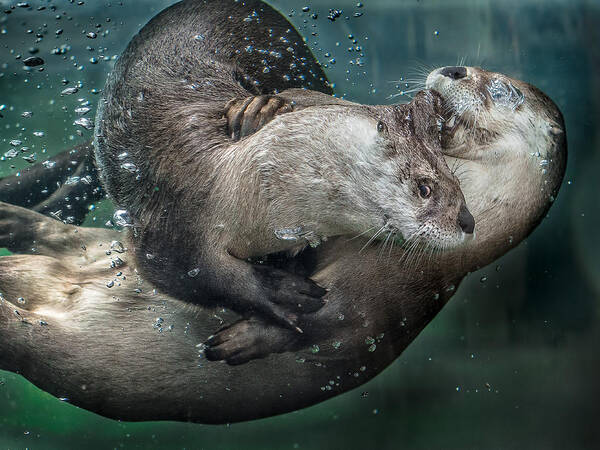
(248, 339)
(246, 116)
(285, 296)
(290, 291)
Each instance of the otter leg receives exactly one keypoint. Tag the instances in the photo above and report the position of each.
(248, 115)
(249, 339)
(254, 288)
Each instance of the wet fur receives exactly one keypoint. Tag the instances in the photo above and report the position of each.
(102, 351)
(42, 187)
(202, 202)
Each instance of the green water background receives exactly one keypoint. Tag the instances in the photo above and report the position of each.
(511, 363)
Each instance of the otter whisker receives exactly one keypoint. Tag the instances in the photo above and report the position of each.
(407, 247)
(372, 238)
(495, 205)
(420, 251)
(483, 215)
(392, 246)
(393, 238)
(383, 245)
(415, 255)
(458, 165)
(405, 256)
(361, 234)
(463, 173)
(406, 92)
(412, 245)
(419, 68)
(413, 235)
(429, 250)
(410, 254)
(432, 254)
(417, 81)
(419, 255)
(409, 90)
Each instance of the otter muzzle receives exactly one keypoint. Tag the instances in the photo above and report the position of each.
(466, 222)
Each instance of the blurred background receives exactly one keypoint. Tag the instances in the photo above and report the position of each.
(513, 360)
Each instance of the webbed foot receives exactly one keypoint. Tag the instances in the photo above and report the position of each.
(249, 339)
(287, 295)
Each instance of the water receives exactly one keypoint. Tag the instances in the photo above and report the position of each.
(511, 362)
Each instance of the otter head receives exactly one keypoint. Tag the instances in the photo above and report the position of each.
(414, 193)
(508, 140)
(373, 171)
(377, 171)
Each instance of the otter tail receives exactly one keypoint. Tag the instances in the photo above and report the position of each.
(62, 187)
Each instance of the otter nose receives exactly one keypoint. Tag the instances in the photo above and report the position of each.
(466, 222)
(454, 72)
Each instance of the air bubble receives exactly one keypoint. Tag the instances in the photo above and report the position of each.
(129, 167)
(84, 122)
(69, 91)
(122, 218)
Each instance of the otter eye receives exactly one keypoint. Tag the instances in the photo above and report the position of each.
(381, 126)
(424, 191)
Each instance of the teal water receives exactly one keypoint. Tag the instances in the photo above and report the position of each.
(510, 363)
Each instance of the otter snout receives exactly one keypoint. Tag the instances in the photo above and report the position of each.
(454, 72)
(466, 222)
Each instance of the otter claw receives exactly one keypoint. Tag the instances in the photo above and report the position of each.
(248, 339)
(284, 319)
(235, 114)
(246, 116)
(287, 296)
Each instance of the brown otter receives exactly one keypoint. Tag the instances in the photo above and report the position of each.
(139, 353)
(503, 132)
(201, 202)
(116, 349)
(131, 353)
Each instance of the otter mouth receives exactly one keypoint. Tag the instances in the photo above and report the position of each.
(427, 237)
(467, 93)
(450, 124)
(457, 115)
(425, 243)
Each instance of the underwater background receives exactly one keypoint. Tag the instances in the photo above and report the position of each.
(512, 362)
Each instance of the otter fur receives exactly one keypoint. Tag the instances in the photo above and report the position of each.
(206, 188)
(132, 352)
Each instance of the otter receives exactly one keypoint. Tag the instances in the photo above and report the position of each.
(131, 352)
(209, 181)
(486, 113)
